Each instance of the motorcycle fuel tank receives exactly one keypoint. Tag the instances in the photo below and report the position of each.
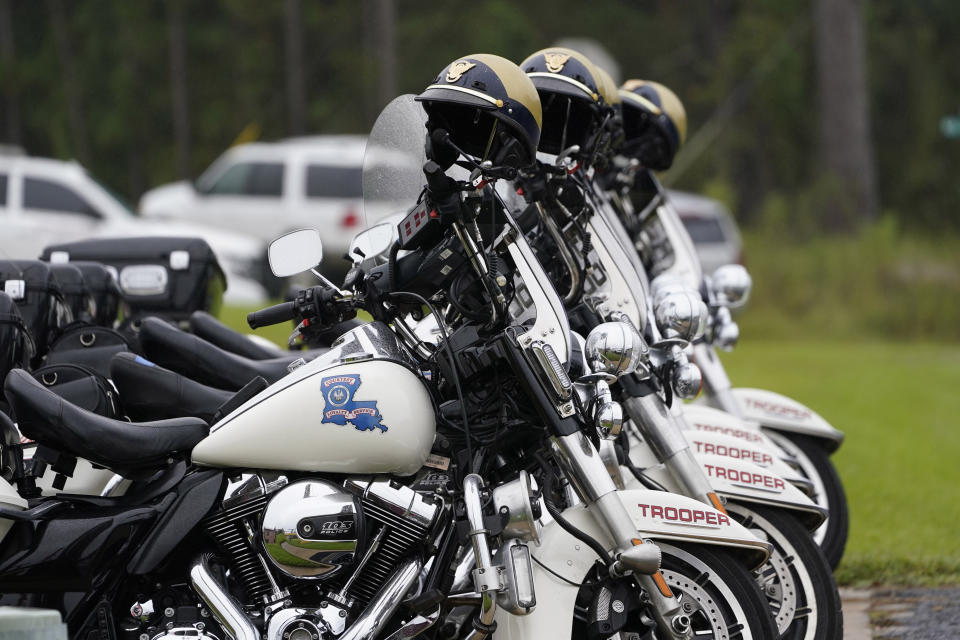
(341, 413)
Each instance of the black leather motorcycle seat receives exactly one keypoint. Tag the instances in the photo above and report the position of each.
(212, 330)
(150, 392)
(128, 448)
(203, 361)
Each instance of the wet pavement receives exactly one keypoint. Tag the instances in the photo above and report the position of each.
(891, 613)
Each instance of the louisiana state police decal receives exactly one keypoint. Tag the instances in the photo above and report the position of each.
(341, 408)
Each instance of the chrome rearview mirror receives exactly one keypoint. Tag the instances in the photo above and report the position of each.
(681, 315)
(372, 242)
(616, 349)
(730, 285)
(295, 252)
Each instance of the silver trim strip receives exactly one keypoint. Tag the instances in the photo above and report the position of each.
(472, 92)
(542, 74)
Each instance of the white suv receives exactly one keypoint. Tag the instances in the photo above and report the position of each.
(45, 202)
(269, 188)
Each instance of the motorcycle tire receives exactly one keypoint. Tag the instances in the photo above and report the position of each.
(718, 594)
(796, 580)
(815, 464)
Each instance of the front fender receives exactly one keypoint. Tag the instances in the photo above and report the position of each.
(571, 560)
(744, 482)
(761, 454)
(776, 411)
(741, 482)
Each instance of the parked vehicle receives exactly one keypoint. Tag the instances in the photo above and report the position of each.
(45, 202)
(334, 527)
(268, 188)
(713, 230)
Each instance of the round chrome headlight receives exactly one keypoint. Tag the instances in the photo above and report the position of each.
(731, 285)
(615, 348)
(681, 314)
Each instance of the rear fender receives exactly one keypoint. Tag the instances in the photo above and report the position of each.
(10, 499)
(780, 413)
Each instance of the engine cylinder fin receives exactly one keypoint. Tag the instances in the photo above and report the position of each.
(402, 536)
(227, 529)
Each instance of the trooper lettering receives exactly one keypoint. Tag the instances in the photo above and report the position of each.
(751, 455)
(742, 434)
(745, 477)
(779, 409)
(683, 514)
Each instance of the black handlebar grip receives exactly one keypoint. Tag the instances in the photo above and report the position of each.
(272, 315)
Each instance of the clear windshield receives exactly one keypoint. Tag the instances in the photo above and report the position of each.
(392, 183)
(393, 160)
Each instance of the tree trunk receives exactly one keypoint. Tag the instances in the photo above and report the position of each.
(178, 86)
(296, 103)
(71, 84)
(385, 17)
(11, 85)
(846, 150)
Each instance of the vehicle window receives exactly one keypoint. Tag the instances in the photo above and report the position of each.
(251, 179)
(3, 189)
(51, 196)
(334, 182)
(704, 229)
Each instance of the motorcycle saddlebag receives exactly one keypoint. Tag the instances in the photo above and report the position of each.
(36, 290)
(169, 277)
(81, 386)
(104, 292)
(16, 345)
(74, 290)
(88, 345)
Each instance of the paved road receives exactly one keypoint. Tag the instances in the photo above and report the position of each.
(892, 614)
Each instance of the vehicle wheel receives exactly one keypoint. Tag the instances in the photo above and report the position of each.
(796, 580)
(717, 593)
(814, 463)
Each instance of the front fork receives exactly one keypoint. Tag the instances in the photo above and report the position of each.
(582, 464)
(665, 437)
(716, 384)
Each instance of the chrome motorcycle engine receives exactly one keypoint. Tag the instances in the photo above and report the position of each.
(312, 529)
(312, 553)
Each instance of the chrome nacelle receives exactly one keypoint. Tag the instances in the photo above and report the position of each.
(681, 314)
(518, 497)
(615, 348)
(687, 380)
(730, 285)
(312, 529)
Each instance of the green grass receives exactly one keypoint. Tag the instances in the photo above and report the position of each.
(879, 283)
(898, 405)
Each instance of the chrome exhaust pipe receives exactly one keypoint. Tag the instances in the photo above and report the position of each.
(220, 603)
(385, 603)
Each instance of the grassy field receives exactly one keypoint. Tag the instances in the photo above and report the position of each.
(898, 404)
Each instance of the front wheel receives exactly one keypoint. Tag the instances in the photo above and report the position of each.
(715, 591)
(814, 463)
(718, 594)
(796, 580)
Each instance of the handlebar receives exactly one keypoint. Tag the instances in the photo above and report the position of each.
(272, 315)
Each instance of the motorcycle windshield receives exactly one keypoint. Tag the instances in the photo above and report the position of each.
(393, 181)
(393, 161)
